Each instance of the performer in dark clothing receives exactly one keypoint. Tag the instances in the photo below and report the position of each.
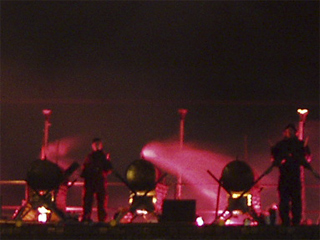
(95, 169)
(289, 154)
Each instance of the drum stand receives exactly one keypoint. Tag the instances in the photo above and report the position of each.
(43, 198)
(239, 202)
(138, 200)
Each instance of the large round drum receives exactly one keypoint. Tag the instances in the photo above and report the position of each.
(237, 176)
(44, 175)
(141, 175)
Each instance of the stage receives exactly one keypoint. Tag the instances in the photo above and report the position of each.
(169, 230)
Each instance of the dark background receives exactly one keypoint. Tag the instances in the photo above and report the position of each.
(121, 70)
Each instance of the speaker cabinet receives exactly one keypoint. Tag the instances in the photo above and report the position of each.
(178, 211)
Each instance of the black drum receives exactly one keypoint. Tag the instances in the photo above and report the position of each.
(237, 176)
(44, 175)
(141, 175)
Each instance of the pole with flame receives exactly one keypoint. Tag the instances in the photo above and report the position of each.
(183, 113)
(303, 113)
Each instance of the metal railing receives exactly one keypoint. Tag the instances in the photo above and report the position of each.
(24, 183)
(78, 209)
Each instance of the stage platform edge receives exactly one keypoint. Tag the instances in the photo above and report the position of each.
(157, 231)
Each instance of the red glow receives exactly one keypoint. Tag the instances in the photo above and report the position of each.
(192, 163)
(58, 151)
(47, 112)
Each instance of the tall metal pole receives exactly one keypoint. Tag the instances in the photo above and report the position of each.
(303, 113)
(43, 153)
(183, 113)
(46, 113)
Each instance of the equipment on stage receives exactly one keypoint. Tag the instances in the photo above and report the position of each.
(44, 175)
(44, 178)
(141, 175)
(237, 179)
(237, 176)
(141, 179)
(181, 211)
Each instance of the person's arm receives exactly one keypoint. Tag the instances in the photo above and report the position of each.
(305, 160)
(107, 165)
(277, 156)
(303, 153)
(84, 167)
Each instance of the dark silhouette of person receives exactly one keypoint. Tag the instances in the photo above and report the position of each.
(95, 169)
(289, 155)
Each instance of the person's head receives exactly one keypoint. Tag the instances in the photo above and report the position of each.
(290, 131)
(97, 144)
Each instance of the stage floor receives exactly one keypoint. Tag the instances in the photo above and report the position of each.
(157, 231)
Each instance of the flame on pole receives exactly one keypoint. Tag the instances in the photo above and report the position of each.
(183, 113)
(303, 113)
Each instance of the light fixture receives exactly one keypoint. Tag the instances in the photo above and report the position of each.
(141, 180)
(199, 221)
(44, 214)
